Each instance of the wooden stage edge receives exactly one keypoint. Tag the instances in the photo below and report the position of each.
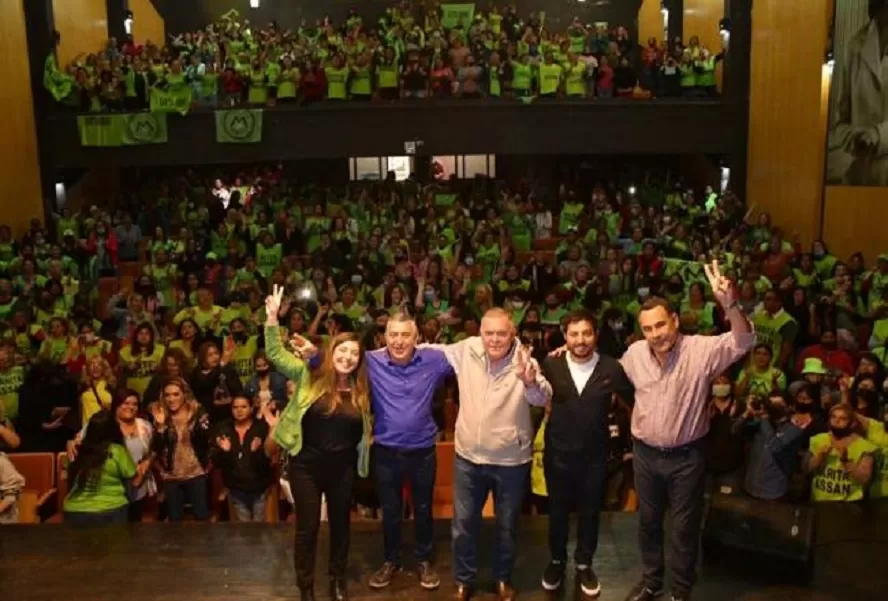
(245, 562)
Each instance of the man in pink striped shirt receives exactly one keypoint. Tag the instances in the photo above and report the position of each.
(672, 375)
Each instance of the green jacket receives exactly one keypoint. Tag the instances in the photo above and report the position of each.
(288, 433)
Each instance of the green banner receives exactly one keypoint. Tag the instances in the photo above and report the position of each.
(451, 14)
(122, 130)
(175, 100)
(239, 126)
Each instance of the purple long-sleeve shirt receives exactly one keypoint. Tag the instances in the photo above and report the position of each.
(401, 397)
(671, 399)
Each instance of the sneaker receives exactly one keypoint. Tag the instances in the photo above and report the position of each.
(642, 593)
(588, 581)
(428, 577)
(553, 576)
(383, 576)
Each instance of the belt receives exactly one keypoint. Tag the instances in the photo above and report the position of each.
(405, 452)
(672, 450)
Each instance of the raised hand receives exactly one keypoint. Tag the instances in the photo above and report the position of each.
(526, 367)
(273, 305)
(268, 414)
(722, 288)
(303, 347)
(223, 443)
(159, 415)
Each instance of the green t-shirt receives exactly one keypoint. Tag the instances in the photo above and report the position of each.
(876, 434)
(832, 483)
(11, 381)
(336, 80)
(109, 492)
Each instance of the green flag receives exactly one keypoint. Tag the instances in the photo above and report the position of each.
(122, 130)
(143, 128)
(451, 14)
(99, 130)
(173, 100)
(56, 82)
(239, 126)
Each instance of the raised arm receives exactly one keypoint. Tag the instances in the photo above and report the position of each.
(288, 364)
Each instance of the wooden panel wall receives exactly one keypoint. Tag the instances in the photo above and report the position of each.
(148, 25)
(787, 119)
(853, 221)
(650, 21)
(83, 25)
(20, 194)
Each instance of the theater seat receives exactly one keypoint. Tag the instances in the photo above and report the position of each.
(442, 495)
(40, 497)
(132, 269)
(61, 467)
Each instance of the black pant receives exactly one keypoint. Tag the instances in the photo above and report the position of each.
(674, 478)
(572, 479)
(332, 475)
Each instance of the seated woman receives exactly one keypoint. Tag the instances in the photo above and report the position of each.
(11, 485)
(181, 441)
(241, 454)
(325, 430)
(100, 477)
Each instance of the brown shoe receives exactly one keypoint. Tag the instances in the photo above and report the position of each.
(505, 592)
(463, 592)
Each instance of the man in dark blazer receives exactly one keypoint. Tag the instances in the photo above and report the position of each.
(575, 456)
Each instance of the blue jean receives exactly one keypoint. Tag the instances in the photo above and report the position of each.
(100, 518)
(194, 491)
(248, 506)
(392, 468)
(472, 483)
(673, 478)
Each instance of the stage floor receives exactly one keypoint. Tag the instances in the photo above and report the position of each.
(243, 562)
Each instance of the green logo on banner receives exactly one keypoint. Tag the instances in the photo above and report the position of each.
(143, 127)
(239, 125)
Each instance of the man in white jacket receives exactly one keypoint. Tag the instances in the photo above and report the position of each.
(498, 381)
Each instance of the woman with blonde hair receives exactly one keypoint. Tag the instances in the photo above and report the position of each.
(182, 443)
(98, 384)
(325, 430)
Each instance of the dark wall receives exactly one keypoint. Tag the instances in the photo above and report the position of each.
(181, 15)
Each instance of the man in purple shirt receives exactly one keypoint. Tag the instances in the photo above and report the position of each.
(672, 375)
(403, 381)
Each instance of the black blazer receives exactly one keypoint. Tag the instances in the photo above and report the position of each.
(578, 422)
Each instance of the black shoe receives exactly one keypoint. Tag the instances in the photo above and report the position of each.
(428, 577)
(463, 592)
(505, 591)
(383, 576)
(553, 577)
(588, 581)
(307, 593)
(338, 592)
(642, 593)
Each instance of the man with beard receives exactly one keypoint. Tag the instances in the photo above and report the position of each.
(575, 456)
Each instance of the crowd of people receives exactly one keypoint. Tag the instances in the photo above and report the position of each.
(272, 318)
(413, 51)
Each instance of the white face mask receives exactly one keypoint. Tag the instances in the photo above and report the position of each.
(644, 292)
(469, 261)
(721, 390)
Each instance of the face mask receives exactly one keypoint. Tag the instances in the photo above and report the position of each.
(617, 326)
(721, 390)
(240, 337)
(469, 261)
(675, 287)
(818, 254)
(644, 292)
(804, 408)
(840, 432)
(429, 295)
(357, 279)
(262, 372)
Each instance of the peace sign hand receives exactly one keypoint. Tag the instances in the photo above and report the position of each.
(526, 367)
(303, 347)
(722, 288)
(273, 305)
